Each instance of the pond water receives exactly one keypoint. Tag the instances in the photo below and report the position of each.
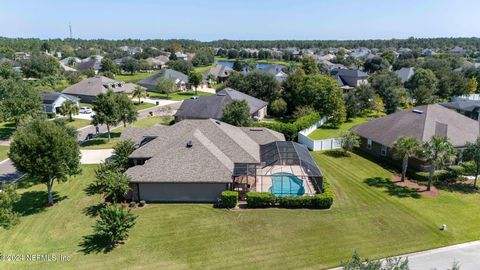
(262, 66)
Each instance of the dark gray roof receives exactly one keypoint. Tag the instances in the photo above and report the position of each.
(349, 77)
(212, 106)
(218, 71)
(216, 147)
(405, 73)
(152, 81)
(94, 64)
(465, 106)
(49, 98)
(96, 85)
(422, 123)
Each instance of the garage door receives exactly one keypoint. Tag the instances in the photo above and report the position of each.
(181, 192)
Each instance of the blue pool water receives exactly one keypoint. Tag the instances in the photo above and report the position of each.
(286, 184)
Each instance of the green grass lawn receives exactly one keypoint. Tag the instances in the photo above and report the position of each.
(202, 69)
(374, 221)
(142, 106)
(327, 132)
(133, 78)
(79, 123)
(6, 130)
(4, 152)
(178, 96)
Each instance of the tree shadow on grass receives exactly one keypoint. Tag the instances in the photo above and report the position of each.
(337, 153)
(96, 243)
(33, 202)
(391, 188)
(93, 210)
(466, 188)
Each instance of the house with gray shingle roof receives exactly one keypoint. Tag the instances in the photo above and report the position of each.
(405, 73)
(219, 73)
(178, 77)
(88, 89)
(379, 135)
(51, 102)
(195, 160)
(212, 106)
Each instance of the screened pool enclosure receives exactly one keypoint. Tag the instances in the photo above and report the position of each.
(286, 169)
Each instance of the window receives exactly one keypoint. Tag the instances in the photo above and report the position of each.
(369, 144)
(383, 151)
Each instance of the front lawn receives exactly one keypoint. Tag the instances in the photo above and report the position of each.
(128, 78)
(150, 121)
(101, 141)
(4, 152)
(178, 96)
(78, 123)
(142, 106)
(370, 220)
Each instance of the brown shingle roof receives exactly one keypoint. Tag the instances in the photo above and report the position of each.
(96, 85)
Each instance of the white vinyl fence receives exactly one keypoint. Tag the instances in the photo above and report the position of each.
(317, 145)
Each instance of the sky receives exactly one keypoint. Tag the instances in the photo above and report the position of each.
(240, 19)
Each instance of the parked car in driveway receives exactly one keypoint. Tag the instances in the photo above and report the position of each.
(85, 110)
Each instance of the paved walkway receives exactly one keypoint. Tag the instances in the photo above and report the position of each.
(8, 172)
(466, 255)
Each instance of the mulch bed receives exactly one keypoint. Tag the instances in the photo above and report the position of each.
(415, 186)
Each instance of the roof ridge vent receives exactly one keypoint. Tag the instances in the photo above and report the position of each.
(189, 144)
(417, 111)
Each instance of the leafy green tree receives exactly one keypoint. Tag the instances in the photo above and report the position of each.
(121, 152)
(348, 140)
(303, 110)
(203, 57)
(73, 77)
(257, 84)
(114, 224)
(106, 111)
(127, 112)
(237, 65)
(130, 65)
(376, 64)
(352, 105)
(139, 92)
(423, 78)
(39, 66)
(451, 83)
(278, 107)
(109, 66)
(392, 98)
(110, 182)
(472, 153)
(472, 85)
(166, 86)
(365, 96)
(8, 197)
(389, 87)
(237, 113)
(19, 101)
(405, 147)
(436, 153)
(423, 95)
(182, 66)
(309, 65)
(8, 72)
(46, 152)
(389, 55)
(69, 108)
(195, 79)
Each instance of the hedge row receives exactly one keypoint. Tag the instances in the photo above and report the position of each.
(290, 130)
(266, 199)
(452, 173)
(229, 199)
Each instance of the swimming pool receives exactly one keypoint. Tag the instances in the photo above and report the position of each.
(286, 184)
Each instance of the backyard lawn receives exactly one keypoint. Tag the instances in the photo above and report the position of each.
(178, 96)
(374, 221)
(133, 78)
(3, 152)
(326, 132)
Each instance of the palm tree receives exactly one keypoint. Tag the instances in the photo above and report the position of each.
(472, 153)
(69, 108)
(139, 92)
(404, 148)
(436, 153)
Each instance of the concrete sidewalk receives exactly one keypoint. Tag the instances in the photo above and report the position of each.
(466, 255)
(95, 156)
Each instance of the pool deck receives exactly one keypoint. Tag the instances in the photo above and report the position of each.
(264, 182)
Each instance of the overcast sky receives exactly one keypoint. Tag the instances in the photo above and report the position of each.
(240, 19)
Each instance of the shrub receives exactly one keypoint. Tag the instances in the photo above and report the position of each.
(318, 201)
(114, 224)
(323, 200)
(133, 204)
(289, 130)
(438, 176)
(142, 203)
(260, 199)
(306, 121)
(50, 115)
(295, 202)
(278, 107)
(229, 198)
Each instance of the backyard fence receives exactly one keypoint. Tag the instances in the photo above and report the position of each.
(317, 145)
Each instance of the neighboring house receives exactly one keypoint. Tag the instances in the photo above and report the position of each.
(379, 135)
(67, 68)
(428, 52)
(181, 55)
(195, 160)
(15, 64)
(91, 63)
(22, 56)
(88, 89)
(157, 62)
(361, 52)
(212, 106)
(130, 50)
(70, 61)
(469, 108)
(51, 102)
(179, 78)
(350, 78)
(457, 51)
(219, 73)
(332, 66)
(276, 71)
(405, 74)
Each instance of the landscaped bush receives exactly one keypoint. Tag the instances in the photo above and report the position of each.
(143, 203)
(438, 176)
(454, 172)
(133, 204)
(260, 199)
(318, 201)
(306, 121)
(229, 199)
(323, 200)
(289, 130)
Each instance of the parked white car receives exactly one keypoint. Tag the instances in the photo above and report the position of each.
(86, 110)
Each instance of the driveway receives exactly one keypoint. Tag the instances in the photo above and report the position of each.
(95, 156)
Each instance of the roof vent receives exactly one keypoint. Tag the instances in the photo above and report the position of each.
(417, 111)
(189, 144)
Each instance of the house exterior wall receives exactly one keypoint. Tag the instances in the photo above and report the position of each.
(178, 192)
(261, 113)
